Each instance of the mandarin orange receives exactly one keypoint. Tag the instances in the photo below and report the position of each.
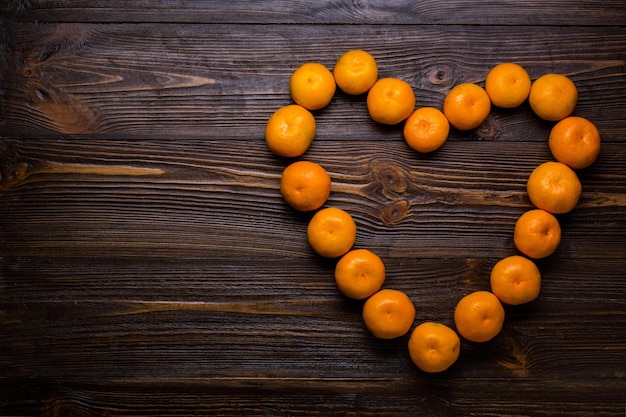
(537, 234)
(290, 130)
(359, 274)
(388, 314)
(508, 85)
(305, 185)
(426, 129)
(312, 86)
(479, 316)
(390, 101)
(554, 187)
(355, 72)
(575, 141)
(553, 97)
(466, 106)
(331, 232)
(515, 280)
(434, 347)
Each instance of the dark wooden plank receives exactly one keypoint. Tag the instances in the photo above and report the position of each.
(147, 198)
(195, 317)
(379, 397)
(283, 397)
(216, 81)
(548, 13)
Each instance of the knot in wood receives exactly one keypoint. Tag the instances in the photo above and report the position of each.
(13, 175)
(64, 113)
(440, 75)
(394, 212)
(14, 170)
(391, 177)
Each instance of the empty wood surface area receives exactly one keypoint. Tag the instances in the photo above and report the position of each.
(149, 266)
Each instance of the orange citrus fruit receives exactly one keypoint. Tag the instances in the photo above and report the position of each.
(305, 185)
(359, 273)
(388, 314)
(355, 72)
(331, 232)
(553, 97)
(426, 129)
(434, 347)
(479, 316)
(312, 86)
(537, 233)
(466, 106)
(290, 130)
(390, 101)
(575, 141)
(515, 280)
(508, 85)
(554, 187)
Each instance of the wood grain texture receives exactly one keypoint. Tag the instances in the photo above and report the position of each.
(283, 397)
(548, 13)
(220, 81)
(447, 204)
(148, 265)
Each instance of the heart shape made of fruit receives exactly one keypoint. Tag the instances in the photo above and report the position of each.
(553, 188)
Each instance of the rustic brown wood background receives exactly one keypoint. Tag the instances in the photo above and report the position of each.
(150, 267)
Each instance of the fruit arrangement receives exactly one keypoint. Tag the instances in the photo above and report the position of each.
(553, 188)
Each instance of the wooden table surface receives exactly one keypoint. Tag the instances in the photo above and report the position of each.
(150, 267)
